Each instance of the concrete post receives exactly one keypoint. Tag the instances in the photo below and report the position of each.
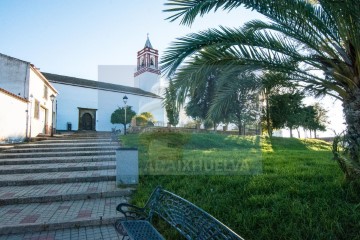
(127, 166)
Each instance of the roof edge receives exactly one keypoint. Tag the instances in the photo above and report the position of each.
(146, 94)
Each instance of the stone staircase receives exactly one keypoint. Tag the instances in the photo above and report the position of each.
(60, 187)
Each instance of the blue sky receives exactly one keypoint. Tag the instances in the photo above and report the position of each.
(74, 37)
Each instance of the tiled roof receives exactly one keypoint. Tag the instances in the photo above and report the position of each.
(54, 78)
(13, 95)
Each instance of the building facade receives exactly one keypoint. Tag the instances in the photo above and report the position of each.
(34, 102)
(26, 99)
(87, 104)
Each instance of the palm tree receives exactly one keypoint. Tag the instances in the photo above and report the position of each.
(317, 43)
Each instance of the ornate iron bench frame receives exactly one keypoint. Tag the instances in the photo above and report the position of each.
(189, 220)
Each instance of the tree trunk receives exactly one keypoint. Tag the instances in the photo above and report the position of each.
(291, 135)
(352, 116)
(350, 163)
(298, 131)
(268, 125)
(310, 133)
(314, 133)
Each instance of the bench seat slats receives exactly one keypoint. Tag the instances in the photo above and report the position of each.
(141, 230)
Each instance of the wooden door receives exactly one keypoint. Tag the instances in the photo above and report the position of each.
(87, 122)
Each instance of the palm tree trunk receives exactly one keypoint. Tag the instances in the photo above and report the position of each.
(268, 125)
(352, 116)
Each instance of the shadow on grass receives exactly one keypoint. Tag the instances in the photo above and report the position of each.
(218, 141)
(279, 143)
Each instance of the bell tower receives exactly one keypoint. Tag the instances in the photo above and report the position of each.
(147, 75)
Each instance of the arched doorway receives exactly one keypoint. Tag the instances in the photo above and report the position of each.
(87, 119)
(87, 122)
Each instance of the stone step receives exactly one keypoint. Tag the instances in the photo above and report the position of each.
(22, 218)
(107, 232)
(57, 167)
(60, 149)
(62, 145)
(65, 159)
(56, 177)
(89, 136)
(93, 134)
(76, 135)
(101, 139)
(60, 192)
(70, 140)
(55, 154)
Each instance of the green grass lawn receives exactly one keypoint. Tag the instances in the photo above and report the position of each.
(294, 190)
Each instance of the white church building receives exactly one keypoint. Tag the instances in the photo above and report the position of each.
(77, 104)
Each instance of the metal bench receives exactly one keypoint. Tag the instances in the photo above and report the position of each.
(189, 220)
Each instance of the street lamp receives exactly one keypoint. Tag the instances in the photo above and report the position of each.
(52, 98)
(125, 98)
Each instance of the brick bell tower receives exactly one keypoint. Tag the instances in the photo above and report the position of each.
(147, 75)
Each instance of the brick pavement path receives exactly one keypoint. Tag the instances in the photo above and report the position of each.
(60, 189)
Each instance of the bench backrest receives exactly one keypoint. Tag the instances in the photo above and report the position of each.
(191, 221)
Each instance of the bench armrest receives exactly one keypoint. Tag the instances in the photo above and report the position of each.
(132, 212)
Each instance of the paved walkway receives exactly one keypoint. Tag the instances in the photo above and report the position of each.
(60, 189)
(83, 233)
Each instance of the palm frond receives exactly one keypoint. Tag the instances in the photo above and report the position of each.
(188, 10)
(259, 45)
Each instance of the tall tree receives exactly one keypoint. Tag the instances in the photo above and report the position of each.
(237, 100)
(301, 38)
(118, 116)
(315, 118)
(272, 83)
(200, 99)
(286, 111)
(170, 104)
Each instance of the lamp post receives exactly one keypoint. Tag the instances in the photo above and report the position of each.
(52, 98)
(125, 98)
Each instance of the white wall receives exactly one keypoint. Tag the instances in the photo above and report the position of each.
(117, 74)
(36, 89)
(110, 101)
(69, 100)
(13, 117)
(23, 80)
(14, 75)
(147, 81)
